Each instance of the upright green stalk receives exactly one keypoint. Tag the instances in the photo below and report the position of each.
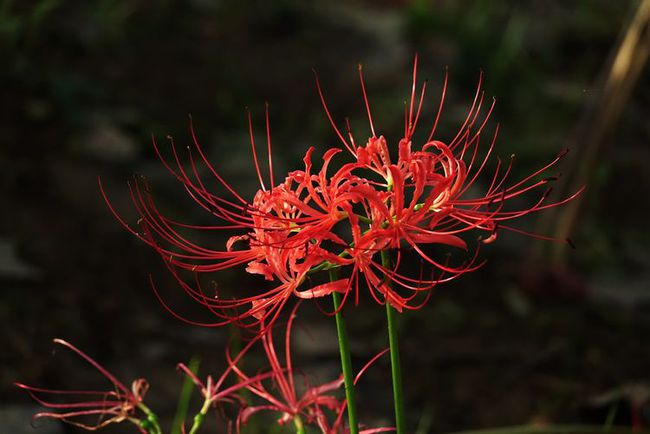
(395, 364)
(300, 428)
(200, 417)
(346, 362)
(150, 424)
(184, 398)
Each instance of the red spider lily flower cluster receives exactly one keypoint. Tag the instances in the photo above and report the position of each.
(283, 397)
(105, 407)
(214, 392)
(361, 221)
(311, 406)
(400, 198)
(315, 406)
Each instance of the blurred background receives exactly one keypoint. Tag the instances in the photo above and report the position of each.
(542, 334)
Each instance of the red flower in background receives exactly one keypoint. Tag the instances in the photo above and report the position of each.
(306, 404)
(283, 397)
(407, 199)
(104, 407)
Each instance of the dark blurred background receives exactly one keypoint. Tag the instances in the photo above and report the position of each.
(542, 334)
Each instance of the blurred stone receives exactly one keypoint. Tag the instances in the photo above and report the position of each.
(381, 26)
(107, 142)
(517, 303)
(315, 340)
(628, 293)
(11, 266)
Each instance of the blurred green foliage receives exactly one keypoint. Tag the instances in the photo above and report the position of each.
(19, 30)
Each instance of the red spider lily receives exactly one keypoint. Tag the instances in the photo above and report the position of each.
(423, 197)
(213, 391)
(284, 229)
(110, 406)
(309, 406)
(337, 426)
(399, 199)
(287, 402)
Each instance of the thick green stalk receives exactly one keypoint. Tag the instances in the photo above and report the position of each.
(200, 417)
(300, 428)
(395, 364)
(150, 424)
(346, 362)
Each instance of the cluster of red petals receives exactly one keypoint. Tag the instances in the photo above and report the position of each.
(312, 405)
(404, 198)
(276, 387)
(281, 396)
(103, 407)
(284, 229)
(216, 392)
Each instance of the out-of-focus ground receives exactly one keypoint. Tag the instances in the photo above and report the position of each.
(85, 84)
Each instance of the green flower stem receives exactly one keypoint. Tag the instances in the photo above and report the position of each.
(184, 398)
(300, 428)
(395, 364)
(200, 416)
(150, 424)
(346, 362)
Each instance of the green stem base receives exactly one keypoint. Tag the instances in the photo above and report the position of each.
(395, 363)
(346, 362)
